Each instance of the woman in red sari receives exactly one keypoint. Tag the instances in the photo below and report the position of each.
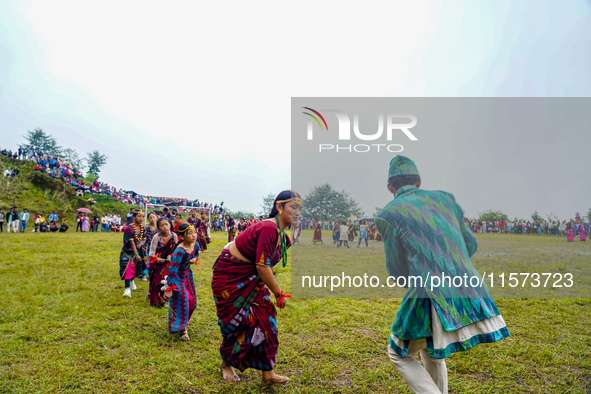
(242, 278)
(317, 233)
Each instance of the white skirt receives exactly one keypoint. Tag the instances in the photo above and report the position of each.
(443, 343)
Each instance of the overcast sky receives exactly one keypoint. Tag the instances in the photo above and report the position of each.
(192, 99)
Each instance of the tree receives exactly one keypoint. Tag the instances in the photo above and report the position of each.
(552, 217)
(491, 216)
(72, 156)
(267, 204)
(39, 140)
(325, 203)
(239, 214)
(589, 215)
(95, 161)
(537, 217)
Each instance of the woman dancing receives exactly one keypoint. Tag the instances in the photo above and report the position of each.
(242, 278)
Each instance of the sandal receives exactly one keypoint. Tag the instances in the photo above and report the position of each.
(233, 379)
(184, 336)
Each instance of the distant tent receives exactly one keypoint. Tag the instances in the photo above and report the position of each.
(172, 203)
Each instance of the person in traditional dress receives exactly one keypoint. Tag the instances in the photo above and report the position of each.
(335, 234)
(196, 222)
(150, 229)
(193, 219)
(133, 240)
(317, 233)
(161, 248)
(84, 227)
(203, 231)
(176, 222)
(230, 228)
(582, 232)
(250, 221)
(181, 285)
(371, 232)
(242, 278)
(363, 234)
(570, 232)
(352, 232)
(432, 321)
(205, 227)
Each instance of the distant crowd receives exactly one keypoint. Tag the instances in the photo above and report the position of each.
(60, 168)
(18, 221)
(554, 227)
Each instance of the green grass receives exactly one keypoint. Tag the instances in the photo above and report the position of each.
(497, 254)
(64, 327)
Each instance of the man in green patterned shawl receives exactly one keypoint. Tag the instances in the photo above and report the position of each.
(447, 308)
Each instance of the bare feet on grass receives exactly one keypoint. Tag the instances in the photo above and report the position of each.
(270, 377)
(228, 373)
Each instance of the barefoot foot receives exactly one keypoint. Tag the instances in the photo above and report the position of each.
(228, 373)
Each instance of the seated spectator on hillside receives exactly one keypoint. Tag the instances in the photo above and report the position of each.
(7, 173)
(53, 227)
(43, 227)
(64, 227)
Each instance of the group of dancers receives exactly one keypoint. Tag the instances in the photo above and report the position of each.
(343, 233)
(164, 250)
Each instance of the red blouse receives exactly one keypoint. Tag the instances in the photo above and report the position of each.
(258, 243)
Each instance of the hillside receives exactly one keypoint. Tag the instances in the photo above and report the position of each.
(38, 192)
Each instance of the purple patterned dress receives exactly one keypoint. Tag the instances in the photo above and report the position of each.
(180, 279)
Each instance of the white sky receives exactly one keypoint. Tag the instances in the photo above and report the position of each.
(192, 99)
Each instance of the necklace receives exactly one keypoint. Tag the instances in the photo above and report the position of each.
(141, 236)
(283, 244)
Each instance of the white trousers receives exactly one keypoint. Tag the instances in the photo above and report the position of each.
(13, 225)
(431, 377)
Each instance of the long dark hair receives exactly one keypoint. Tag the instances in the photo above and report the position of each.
(284, 195)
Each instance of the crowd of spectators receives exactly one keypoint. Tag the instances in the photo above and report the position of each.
(546, 227)
(59, 168)
(18, 221)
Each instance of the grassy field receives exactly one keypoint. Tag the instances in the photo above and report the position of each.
(551, 258)
(64, 327)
